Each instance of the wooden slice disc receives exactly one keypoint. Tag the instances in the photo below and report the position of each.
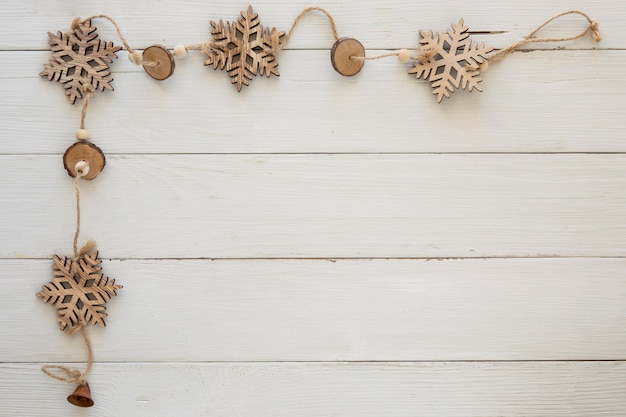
(158, 62)
(341, 53)
(84, 151)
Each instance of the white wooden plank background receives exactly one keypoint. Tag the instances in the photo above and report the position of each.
(319, 245)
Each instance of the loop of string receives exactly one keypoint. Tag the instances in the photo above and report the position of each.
(331, 22)
(592, 27)
(425, 54)
(68, 374)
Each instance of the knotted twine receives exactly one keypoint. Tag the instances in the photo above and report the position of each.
(68, 374)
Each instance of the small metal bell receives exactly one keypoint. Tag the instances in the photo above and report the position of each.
(81, 397)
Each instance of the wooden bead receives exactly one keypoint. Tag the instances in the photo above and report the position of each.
(81, 168)
(134, 57)
(82, 134)
(180, 51)
(483, 66)
(404, 56)
(158, 62)
(89, 154)
(342, 56)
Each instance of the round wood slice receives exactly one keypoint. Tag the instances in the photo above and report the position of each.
(340, 55)
(84, 151)
(158, 62)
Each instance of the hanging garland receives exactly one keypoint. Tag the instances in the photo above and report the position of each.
(244, 49)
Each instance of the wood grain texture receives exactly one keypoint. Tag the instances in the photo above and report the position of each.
(530, 175)
(532, 102)
(321, 206)
(202, 310)
(377, 25)
(526, 389)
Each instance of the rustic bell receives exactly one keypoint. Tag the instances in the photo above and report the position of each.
(81, 397)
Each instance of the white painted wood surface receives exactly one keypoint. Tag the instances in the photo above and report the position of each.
(520, 389)
(287, 251)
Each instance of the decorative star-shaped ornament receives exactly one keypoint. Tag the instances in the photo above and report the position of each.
(78, 291)
(244, 48)
(450, 60)
(79, 58)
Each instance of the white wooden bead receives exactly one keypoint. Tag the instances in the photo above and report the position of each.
(81, 168)
(82, 134)
(135, 57)
(404, 56)
(180, 51)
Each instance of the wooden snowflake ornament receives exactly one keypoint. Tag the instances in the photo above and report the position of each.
(79, 58)
(78, 291)
(450, 60)
(244, 48)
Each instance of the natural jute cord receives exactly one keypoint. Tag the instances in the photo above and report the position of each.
(426, 53)
(72, 375)
(592, 27)
(204, 47)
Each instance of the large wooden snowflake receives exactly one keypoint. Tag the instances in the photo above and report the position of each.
(244, 48)
(79, 58)
(452, 60)
(78, 291)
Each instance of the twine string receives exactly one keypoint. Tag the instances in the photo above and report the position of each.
(90, 246)
(426, 53)
(77, 232)
(591, 27)
(204, 47)
(68, 374)
(373, 58)
(89, 91)
(133, 55)
(331, 22)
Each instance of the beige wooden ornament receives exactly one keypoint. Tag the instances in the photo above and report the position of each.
(79, 58)
(244, 48)
(450, 60)
(78, 291)
(347, 56)
(84, 151)
(158, 62)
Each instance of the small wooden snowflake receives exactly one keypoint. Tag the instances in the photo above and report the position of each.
(450, 60)
(78, 291)
(79, 58)
(244, 48)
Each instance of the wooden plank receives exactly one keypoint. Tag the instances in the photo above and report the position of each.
(551, 101)
(320, 206)
(369, 310)
(528, 389)
(378, 25)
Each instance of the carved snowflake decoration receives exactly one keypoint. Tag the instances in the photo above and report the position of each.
(244, 48)
(79, 58)
(78, 291)
(452, 60)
